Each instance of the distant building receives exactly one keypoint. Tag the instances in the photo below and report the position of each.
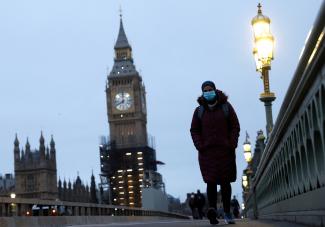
(129, 152)
(78, 191)
(174, 204)
(7, 184)
(154, 199)
(153, 179)
(35, 171)
(154, 196)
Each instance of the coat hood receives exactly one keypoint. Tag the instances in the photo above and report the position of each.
(222, 98)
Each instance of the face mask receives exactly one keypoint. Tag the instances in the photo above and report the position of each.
(209, 95)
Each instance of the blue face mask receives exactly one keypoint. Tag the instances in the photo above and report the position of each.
(209, 95)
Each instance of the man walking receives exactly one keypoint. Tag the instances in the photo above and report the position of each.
(200, 201)
(235, 206)
(215, 131)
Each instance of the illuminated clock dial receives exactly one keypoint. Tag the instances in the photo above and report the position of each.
(123, 101)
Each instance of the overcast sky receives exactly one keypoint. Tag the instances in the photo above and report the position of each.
(54, 57)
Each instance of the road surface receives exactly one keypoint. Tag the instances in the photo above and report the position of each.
(195, 223)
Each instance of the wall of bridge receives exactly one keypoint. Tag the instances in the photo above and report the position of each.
(290, 180)
(74, 220)
(14, 212)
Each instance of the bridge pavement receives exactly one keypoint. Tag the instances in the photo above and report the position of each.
(196, 223)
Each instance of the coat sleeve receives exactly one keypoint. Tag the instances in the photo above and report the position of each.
(196, 130)
(234, 127)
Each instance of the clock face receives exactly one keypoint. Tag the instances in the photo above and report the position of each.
(123, 101)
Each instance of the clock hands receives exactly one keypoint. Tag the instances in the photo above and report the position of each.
(123, 101)
(120, 102)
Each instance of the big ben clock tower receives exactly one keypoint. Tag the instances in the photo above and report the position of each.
(129, 157)
(125, 95)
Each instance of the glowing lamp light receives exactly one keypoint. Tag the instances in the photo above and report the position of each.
(245, 183)
(247, 149)
(263, 49)
(243, 206)
(13, 195)
(258, 63)
(247, 152)
(248, 156)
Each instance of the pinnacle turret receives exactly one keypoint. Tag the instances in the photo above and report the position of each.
(16, 149)
(42, 147)
(41, 140)
(16, 142)
(27, 146)
(52, 143)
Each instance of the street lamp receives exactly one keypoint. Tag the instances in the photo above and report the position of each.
(245, 181)
(263, 54)
(13, 205)
(247, 149)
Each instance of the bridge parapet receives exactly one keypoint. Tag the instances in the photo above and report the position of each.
(290, 180)
(23, 207)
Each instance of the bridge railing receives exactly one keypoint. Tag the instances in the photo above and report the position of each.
(27, 207)
(290, 180)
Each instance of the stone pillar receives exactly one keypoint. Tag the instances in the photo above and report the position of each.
(41, 213)
(2, 209)
(19, 210)
(6, 208)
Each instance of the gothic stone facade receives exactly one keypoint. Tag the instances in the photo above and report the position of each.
(77, 191)
(35, 171)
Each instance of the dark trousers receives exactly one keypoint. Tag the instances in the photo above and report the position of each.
(200, 211)
(225, 193)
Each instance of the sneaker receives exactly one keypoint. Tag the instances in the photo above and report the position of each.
(212, 216)
(228, 219)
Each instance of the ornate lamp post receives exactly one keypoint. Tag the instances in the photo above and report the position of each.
(263, 54)
(248, 171)
(245, 181)
(247, 150)
(13, 205)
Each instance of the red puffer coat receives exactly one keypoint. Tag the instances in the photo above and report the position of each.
(215, 136)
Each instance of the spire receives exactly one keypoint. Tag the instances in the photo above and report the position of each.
(27, 146)
(78, 180)
(60, 183)
(52, 143)
(41, 139)
(42, 147)
(16, 149)
(22, 154)
(16, 142)
(47, 153)
(64, 183)
(52, 148)
(93, 197)
(122, 41)
(123, 61)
